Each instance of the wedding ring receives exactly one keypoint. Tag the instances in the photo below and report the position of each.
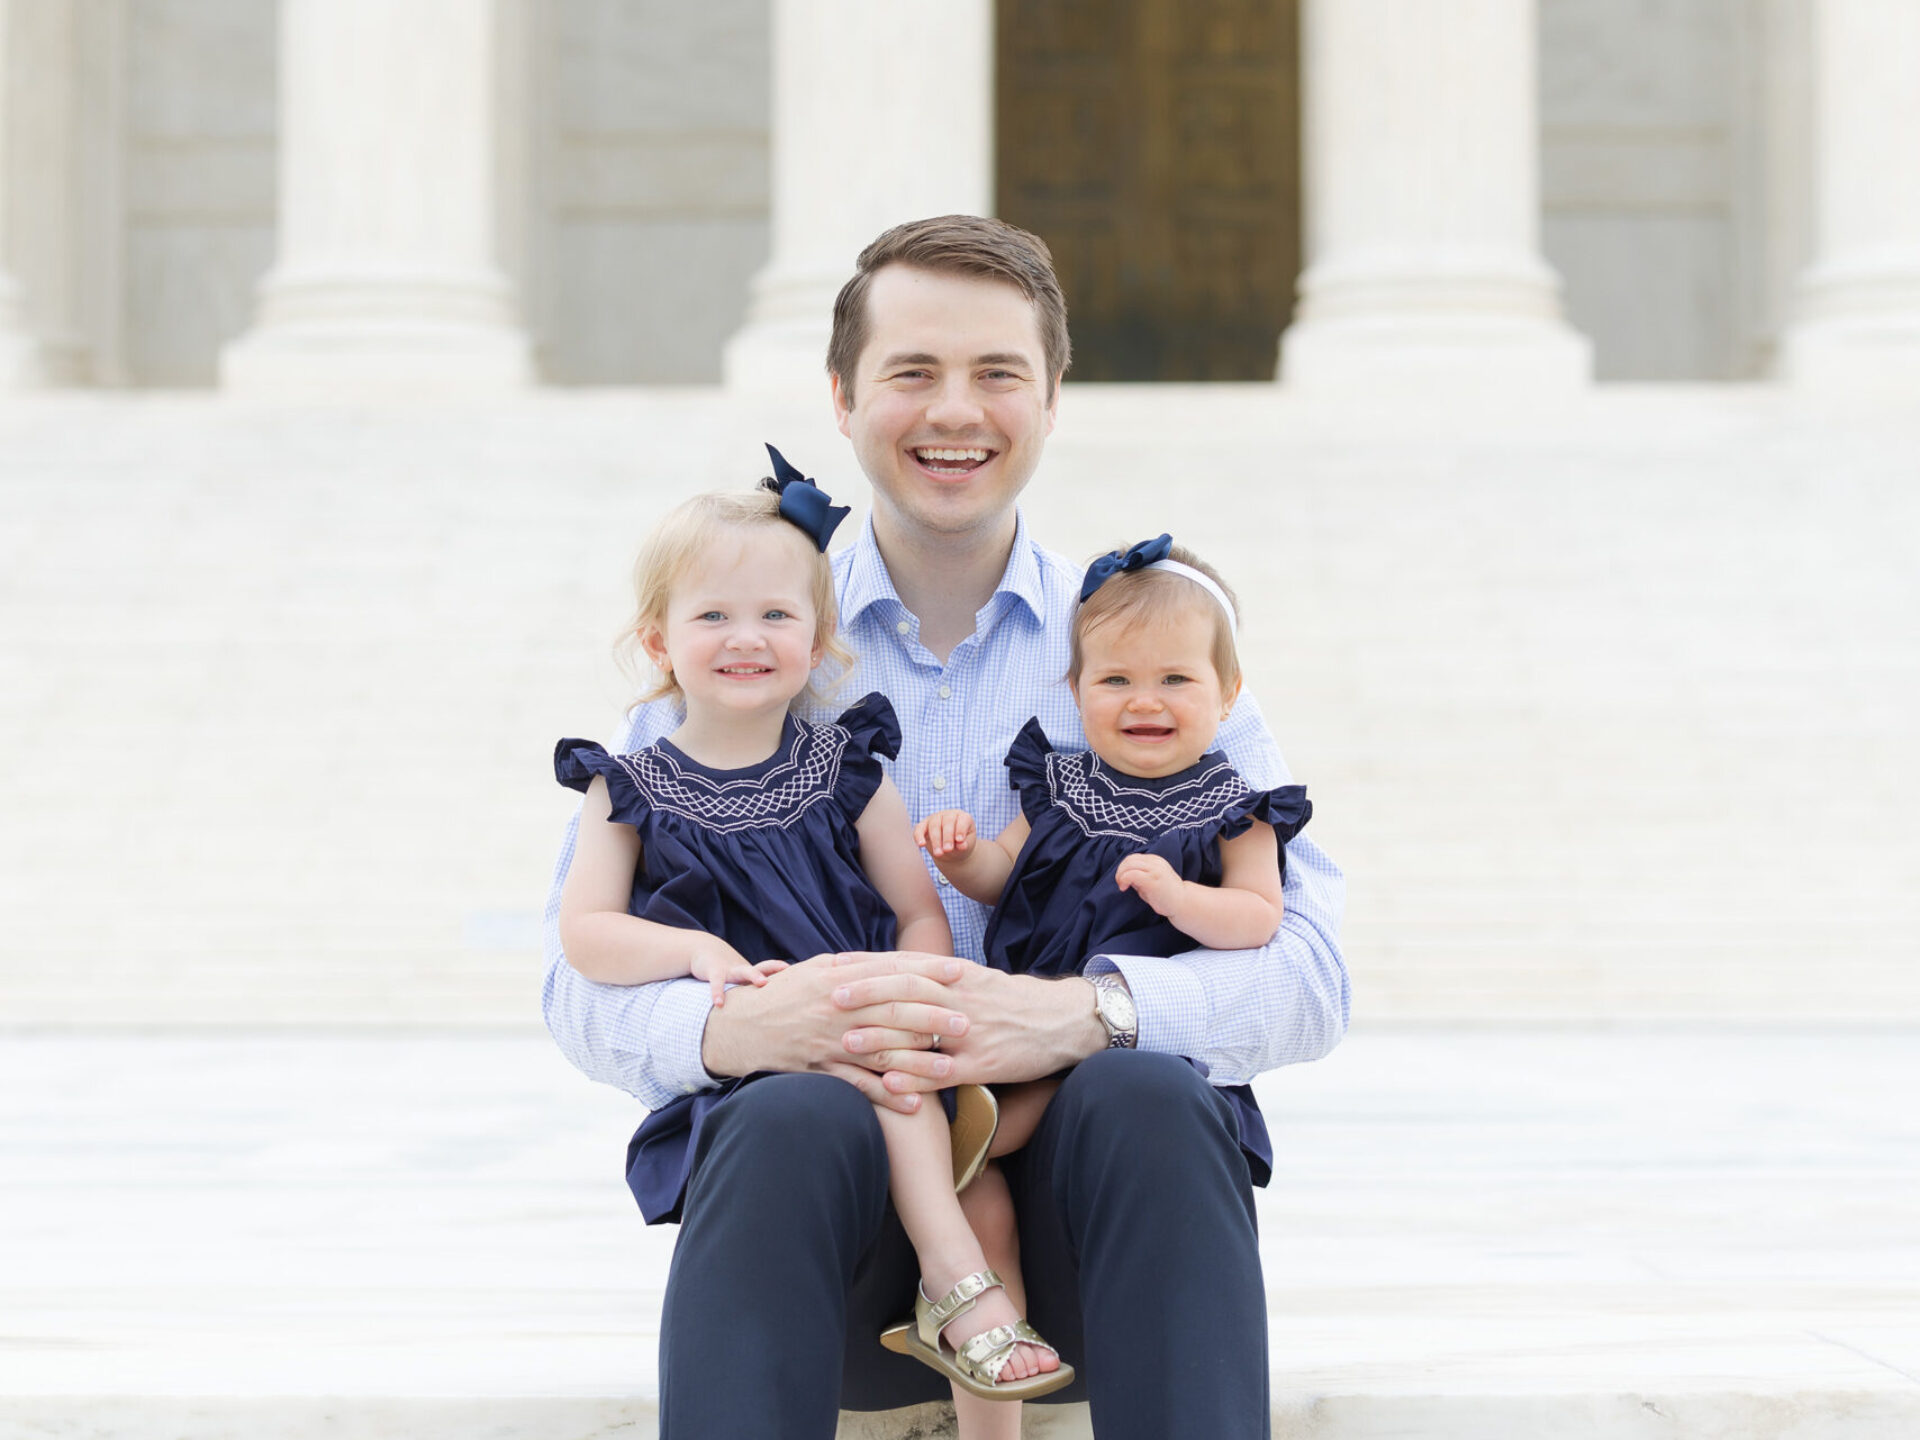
(936, 1043)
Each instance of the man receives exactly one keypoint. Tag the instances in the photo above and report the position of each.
(1134, 1196)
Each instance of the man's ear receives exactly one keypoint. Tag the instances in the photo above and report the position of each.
(842, 405)
(1053, 403)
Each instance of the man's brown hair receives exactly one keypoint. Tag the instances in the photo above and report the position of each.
(975, 246)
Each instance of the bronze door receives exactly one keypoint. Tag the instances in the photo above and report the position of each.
(1154, 145)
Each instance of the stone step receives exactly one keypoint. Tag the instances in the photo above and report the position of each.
(1606, 709)
(1604, 1233)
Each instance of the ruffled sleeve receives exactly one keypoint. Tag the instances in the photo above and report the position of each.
(1027, 769)
(873, 731)
(872, 727)
(1286, 809)
(576, 762)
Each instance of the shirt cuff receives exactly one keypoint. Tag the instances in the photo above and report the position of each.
(679, 1026)
(1168, 999)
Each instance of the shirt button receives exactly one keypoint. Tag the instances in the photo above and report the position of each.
(904, 626)
(941, 880)
(946, 692)
(939, 782)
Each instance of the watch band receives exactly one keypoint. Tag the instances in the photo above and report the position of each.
(1113, 1007)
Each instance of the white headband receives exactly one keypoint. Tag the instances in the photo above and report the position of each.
(1205, 584)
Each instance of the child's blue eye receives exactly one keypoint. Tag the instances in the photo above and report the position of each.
(1175, 680)
(778, 615)
(713, 615)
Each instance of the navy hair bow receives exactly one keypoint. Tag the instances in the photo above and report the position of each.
(805, 503)
(1136, 557)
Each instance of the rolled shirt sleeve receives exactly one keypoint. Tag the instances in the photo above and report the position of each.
(1240, 1012)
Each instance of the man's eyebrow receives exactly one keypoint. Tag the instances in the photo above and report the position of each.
(1011, 359)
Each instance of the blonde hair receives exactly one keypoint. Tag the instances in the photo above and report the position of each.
(1146, 597)
(685, 536)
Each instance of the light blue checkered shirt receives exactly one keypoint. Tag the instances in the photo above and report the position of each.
(1238, 1012)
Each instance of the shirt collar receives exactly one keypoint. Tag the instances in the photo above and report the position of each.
(868, 583)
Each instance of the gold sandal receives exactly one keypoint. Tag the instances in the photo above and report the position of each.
(976, 1115)
(976, 1365)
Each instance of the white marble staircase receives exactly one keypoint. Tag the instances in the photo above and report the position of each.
(1592, 1234)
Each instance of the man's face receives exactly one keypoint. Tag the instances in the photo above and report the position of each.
(949, 404)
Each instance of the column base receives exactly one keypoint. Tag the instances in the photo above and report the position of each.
(376, 359)
(1854, 357)
(27, 363)
(1857, 330)
(1443, 356)
(779, 358)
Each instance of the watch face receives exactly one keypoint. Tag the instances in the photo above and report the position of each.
(1117, 1006)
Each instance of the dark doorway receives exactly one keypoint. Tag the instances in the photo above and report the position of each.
(1155, 146)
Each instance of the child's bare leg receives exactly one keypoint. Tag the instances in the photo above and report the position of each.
(1021, 1107)
(920, 1159)
(988, 1206)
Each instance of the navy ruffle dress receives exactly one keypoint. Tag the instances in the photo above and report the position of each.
(765, 857)
(1061, 904)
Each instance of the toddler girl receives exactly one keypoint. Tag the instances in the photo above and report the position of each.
(751, 837)
(1147, 842)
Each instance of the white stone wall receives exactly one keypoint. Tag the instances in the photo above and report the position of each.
(1657, 189)
(652, 186)
(201, 87)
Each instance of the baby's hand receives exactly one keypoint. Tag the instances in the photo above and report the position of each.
(723, 965)
(944, 833)
(1153, 879)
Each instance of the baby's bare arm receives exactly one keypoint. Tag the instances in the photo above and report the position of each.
(1240, 913)
(977, 867)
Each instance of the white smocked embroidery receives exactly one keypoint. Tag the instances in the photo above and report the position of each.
(775, 799)
(1093, 797)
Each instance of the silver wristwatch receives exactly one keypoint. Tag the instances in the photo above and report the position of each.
(1113, 1004)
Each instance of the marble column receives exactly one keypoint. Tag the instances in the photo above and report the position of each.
(41, 339)
(398, 129)
(882, 112)
(1421, 177)
(1856, 323)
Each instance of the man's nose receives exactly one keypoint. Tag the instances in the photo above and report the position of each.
(954, 405)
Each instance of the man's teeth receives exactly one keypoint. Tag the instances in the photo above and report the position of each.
(974, 455)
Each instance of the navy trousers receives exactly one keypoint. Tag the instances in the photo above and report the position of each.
(1137, 1241)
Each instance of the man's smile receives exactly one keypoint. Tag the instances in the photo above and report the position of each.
(951, 461)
